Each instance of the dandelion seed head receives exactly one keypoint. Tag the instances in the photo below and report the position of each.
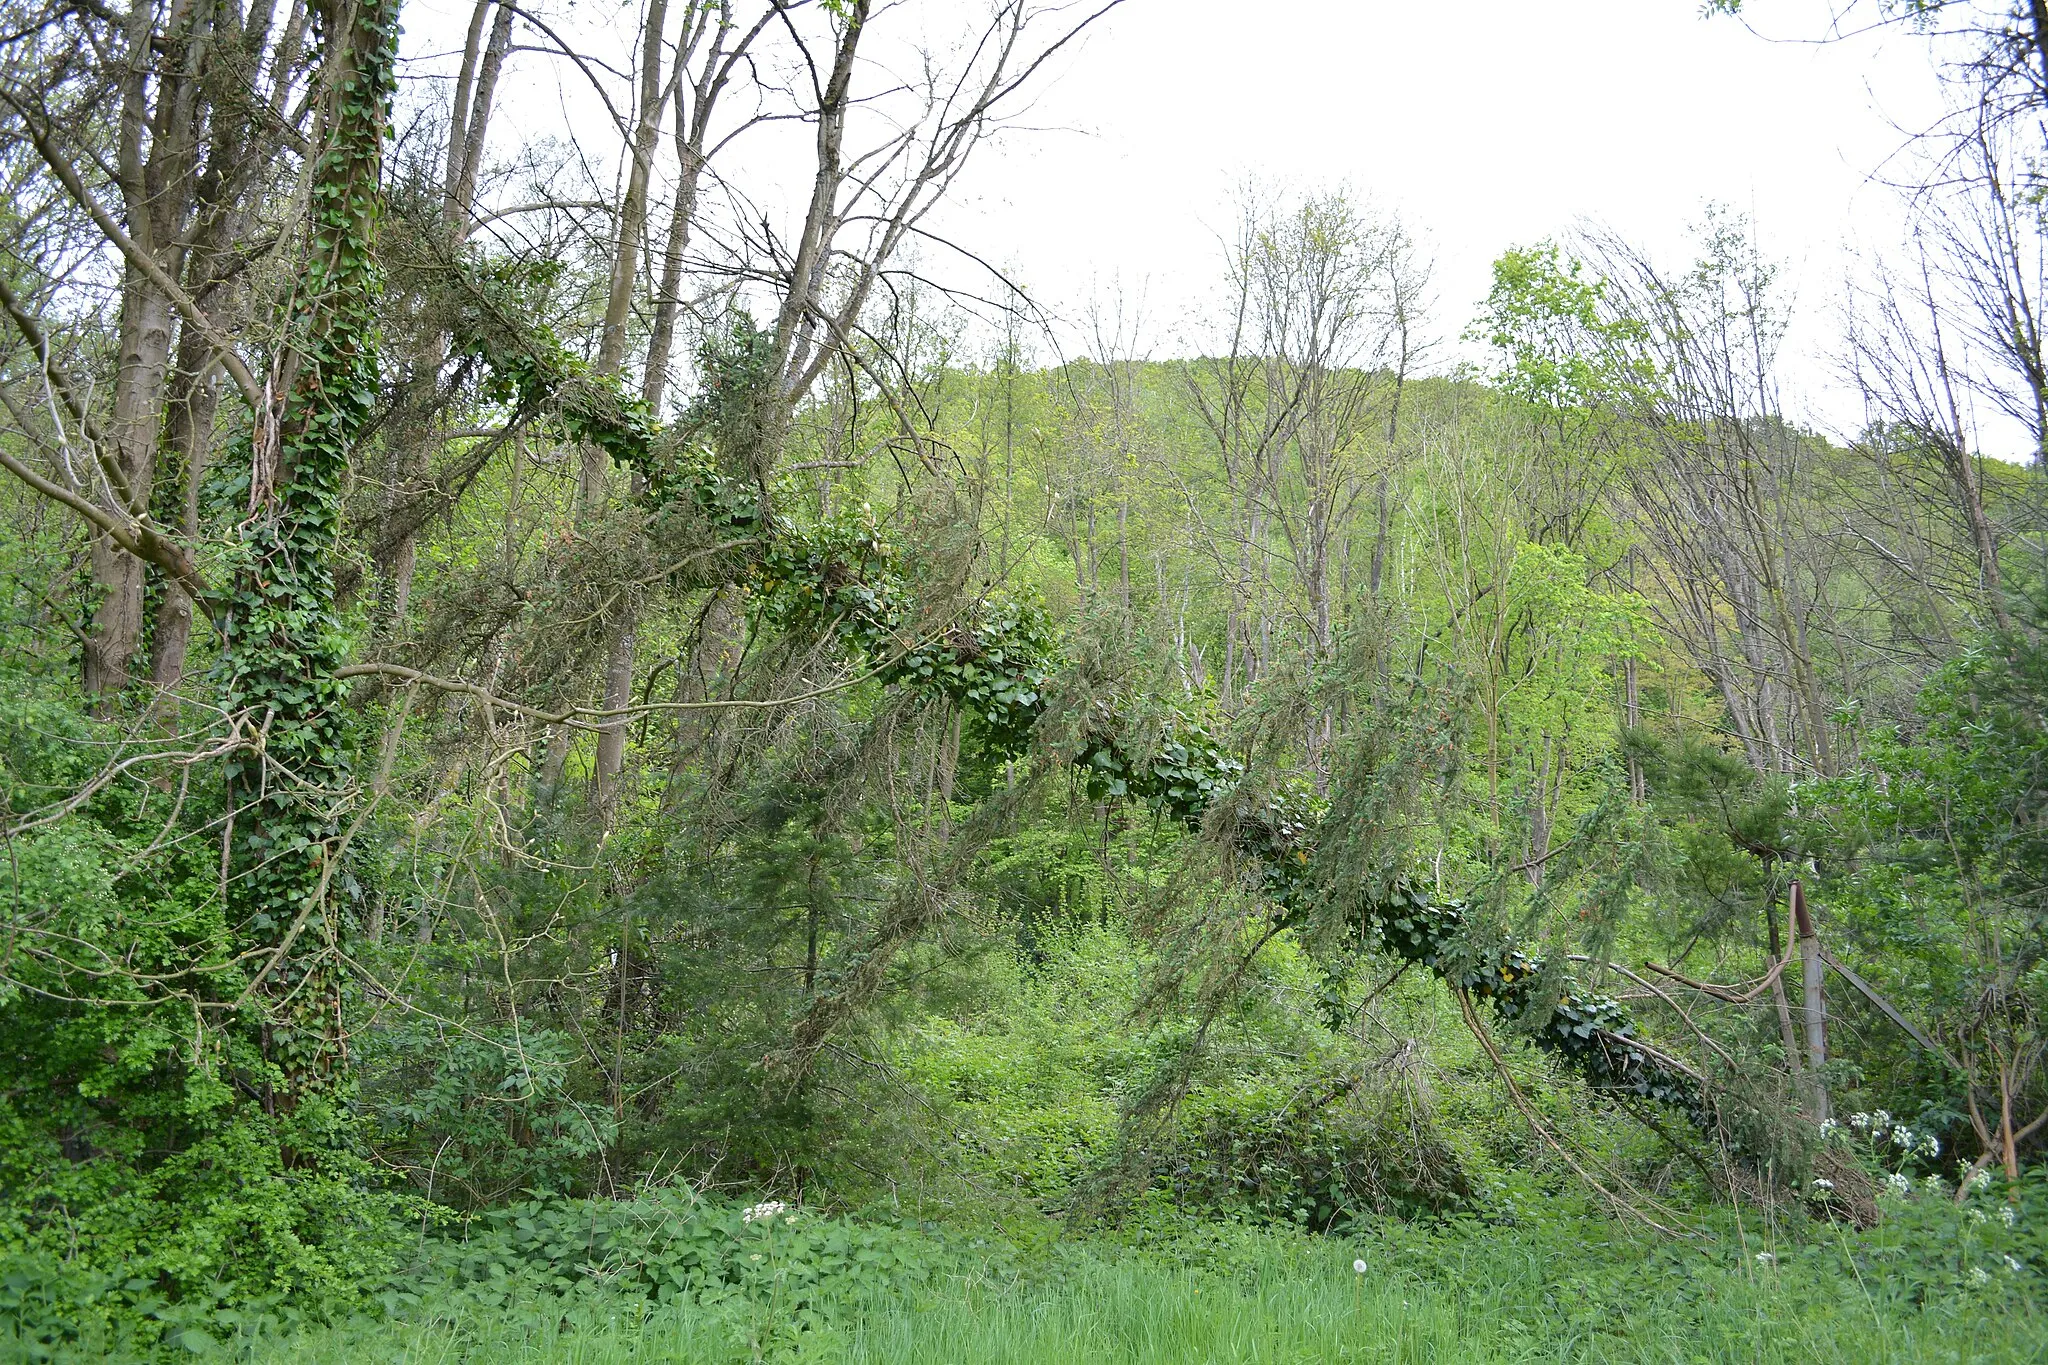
(1359, 1265)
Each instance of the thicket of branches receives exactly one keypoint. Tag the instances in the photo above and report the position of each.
(525, 669)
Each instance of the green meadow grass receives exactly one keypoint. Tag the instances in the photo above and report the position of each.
(1273, 1299)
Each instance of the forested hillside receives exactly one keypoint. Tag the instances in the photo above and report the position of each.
(601, 757)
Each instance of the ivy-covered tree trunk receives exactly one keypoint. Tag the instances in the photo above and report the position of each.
(281, 640)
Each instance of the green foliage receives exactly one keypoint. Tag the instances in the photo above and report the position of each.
(1182, 1292)
(1321, 1158)
(141, 1190)
(669, 1245)
(1937, 857)
(281, 640)
(1560, 347)
(1276, 1125)
(734, 385)
(528, 368)
(477, 1114)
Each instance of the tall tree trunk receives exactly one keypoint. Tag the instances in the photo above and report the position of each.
(281, 640)
(806, 274)
(413, 432)
(458, 112)
(611, 351)
(146, 336)
(161, 116)
(1815, 1002)
(226, 187)
(1788, 1037)
(188, 429)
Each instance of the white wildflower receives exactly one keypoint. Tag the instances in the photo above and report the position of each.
(1859, 1121)
(1828, 1128)
(1979, 1182)
(2014, 1264)
(1976, 1215)
(1914, 1142)
(1935, 1186)
(1979, 1277)
(1901, 1184)
(1766, 1258)
(766, 1209)
(2009, 1216)
(1359, 1265)
(1824, 1185)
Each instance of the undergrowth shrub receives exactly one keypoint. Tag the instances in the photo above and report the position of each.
(1277, 1123)
(1318, 1157)
(669, 1244)
(754, 1281)
(145, 1188)
(1937, 1280)
(479, 1114)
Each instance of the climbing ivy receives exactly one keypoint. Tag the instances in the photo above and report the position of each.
(994, 665)
(281, 641)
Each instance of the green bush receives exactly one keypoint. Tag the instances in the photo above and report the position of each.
(476, 1115)
(145, 1188)
(1319, 1156)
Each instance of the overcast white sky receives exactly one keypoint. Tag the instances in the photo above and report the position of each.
(1485, 123)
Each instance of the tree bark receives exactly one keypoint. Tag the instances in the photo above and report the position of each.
(1788, 1036)
(1816, 1005)
(611, 351)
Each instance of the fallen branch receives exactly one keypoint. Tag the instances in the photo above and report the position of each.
(1653, 988)
(1889, 1010)
(1727, 993)
(1500, 1065)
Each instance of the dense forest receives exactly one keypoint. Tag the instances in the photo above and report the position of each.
(605, 761)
